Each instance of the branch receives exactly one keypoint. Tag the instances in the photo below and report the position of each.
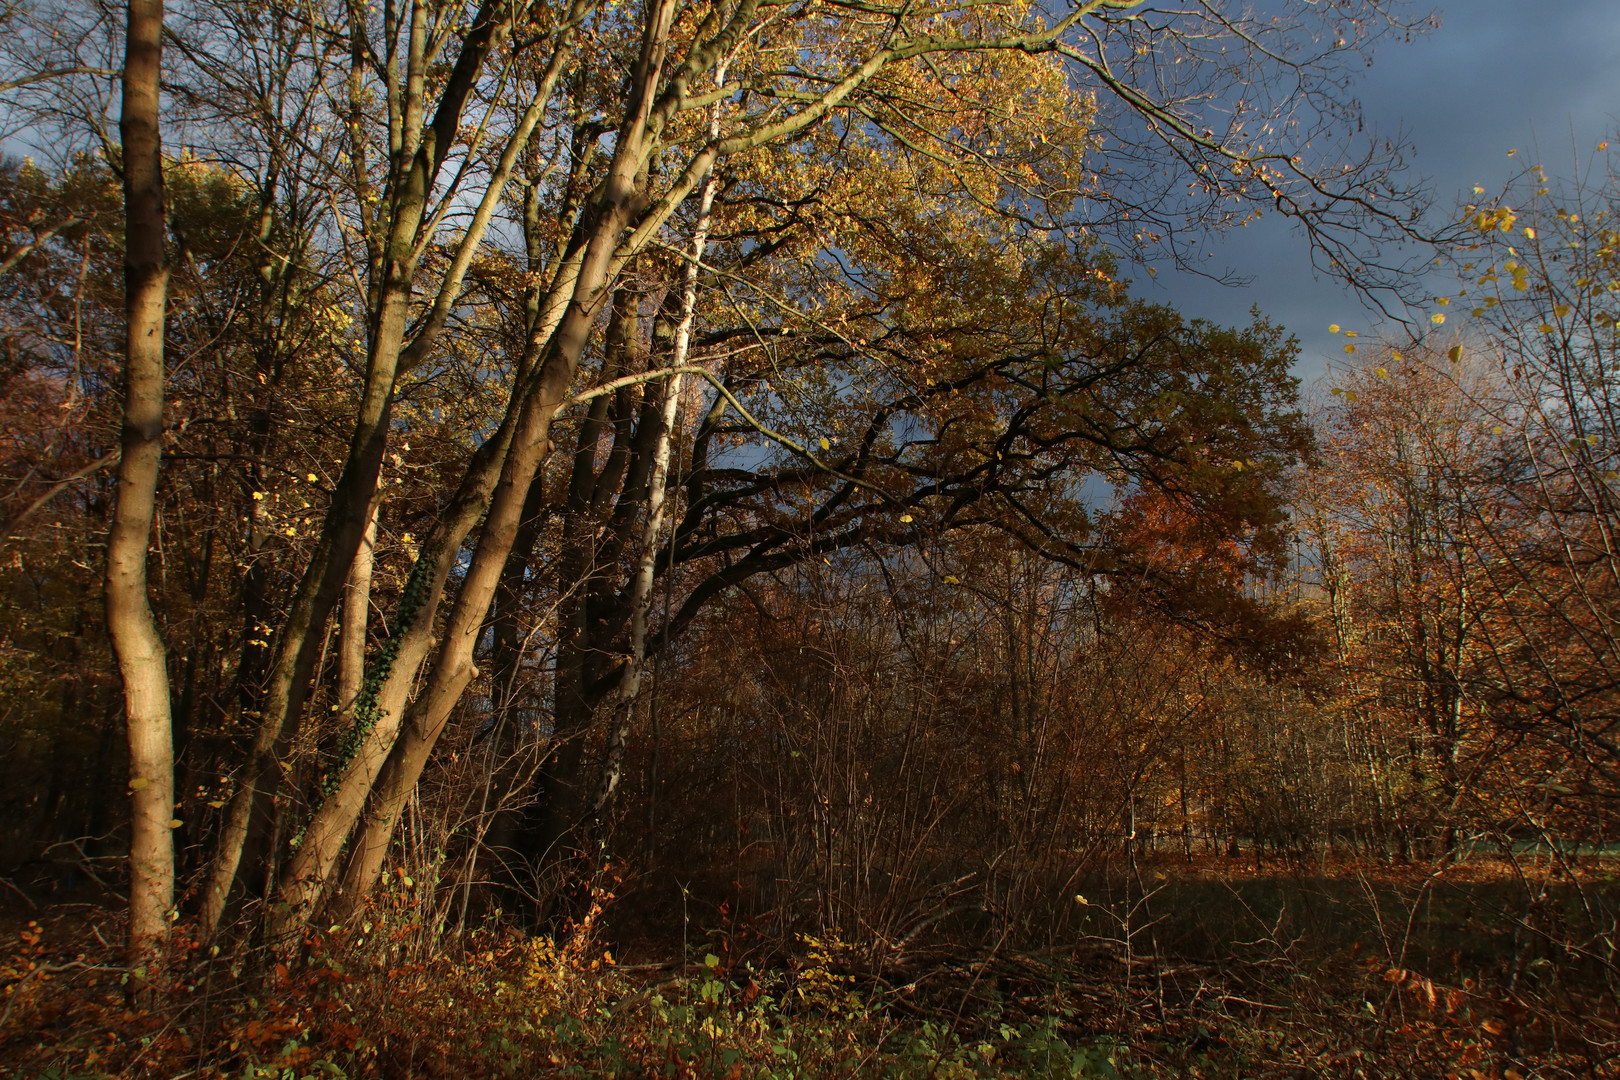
(102, 462)
(753, 422)
(39, 238)
(52, 73)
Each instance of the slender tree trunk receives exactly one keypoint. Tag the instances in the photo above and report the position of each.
(657, 486)
(297, 646)
(453, 668)
(320, 588)
(381, 709)
(136, 643)
(356, 602)
(393, 352)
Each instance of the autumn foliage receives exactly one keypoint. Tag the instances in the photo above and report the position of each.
(678, 548)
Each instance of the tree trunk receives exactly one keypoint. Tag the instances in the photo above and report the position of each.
(135, 639)
(391, 351)
(452, 667)
(356, 602)
(657, 485)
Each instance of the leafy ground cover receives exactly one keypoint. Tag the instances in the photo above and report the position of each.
(1204, 974)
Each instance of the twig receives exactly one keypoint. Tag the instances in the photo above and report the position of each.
(109, 458)
(8, 883)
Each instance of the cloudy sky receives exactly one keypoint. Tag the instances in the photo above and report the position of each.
(1538, 76)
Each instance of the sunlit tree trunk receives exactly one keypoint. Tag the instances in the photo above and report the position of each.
(307, 875)
(356, 602)
(398, 343)
(136, 643)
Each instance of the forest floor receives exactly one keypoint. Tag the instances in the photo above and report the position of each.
(1209, 969)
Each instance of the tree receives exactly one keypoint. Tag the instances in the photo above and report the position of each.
(1542, 281)
(858, 87)
(136, 642)
(472, 236)
(1481, 480)
(1408, 479)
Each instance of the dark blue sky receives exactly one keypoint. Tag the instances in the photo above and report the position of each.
(1498, 75)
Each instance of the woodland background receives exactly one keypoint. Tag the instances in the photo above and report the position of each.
(674, 548)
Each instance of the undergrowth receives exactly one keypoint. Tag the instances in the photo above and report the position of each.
(512, 1006)
(371, 1001)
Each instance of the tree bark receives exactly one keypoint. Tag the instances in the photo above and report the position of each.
(392, 350)
(657, 486)
(452, 668)
(356, 602)
(136, 643)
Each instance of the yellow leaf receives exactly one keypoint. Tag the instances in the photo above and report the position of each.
(175, 823)
(1496, 430)
(1381, 372)
(1561, 310)
(1394, 354)
(1528, 231)
(1454, 353)
(1350, 333)
(138, 783)
(1545, 328)
(1333, 328)
(311, 478)
(1443, 301)
(825, 445)
(1437, 318)
(1349, 348)
(952, 579)
(905, 517)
